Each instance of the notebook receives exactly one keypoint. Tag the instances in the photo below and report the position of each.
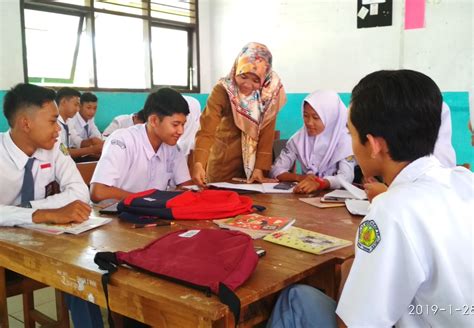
(306, 240)
(255, 225)
(72, 228)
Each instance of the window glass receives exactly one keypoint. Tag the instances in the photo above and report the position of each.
(174, 10)
(169, 48)
(56, 54)
(120, 52)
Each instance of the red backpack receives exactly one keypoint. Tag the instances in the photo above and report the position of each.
(150, 205)
(210, 260)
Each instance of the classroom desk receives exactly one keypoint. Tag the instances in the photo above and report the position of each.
(66, 262)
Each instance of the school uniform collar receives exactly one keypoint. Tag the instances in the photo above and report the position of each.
(415, 169)
(81, 121)
(18, 156)
(61, 120)
(149, 151)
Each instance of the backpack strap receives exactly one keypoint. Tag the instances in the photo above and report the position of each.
(229, 298)
(107, 261)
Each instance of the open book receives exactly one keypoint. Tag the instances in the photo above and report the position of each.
(73, 228)
(339, 195)
(265, 188)
(255, 225)
(306, 240)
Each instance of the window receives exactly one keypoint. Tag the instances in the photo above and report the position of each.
(112, 44)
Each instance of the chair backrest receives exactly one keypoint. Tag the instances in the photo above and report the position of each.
(278, 145)
(87, 170)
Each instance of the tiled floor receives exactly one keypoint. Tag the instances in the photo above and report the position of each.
(45, 302)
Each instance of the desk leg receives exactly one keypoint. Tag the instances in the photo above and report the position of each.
(3, 299)
(325, 279)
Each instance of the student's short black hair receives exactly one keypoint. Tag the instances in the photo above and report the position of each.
(88, 97)
(67, 93)
(22, 96)
(165, 102)
(403, 107)
(141, 115)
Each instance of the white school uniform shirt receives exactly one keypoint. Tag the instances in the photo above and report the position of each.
(187, 141)
(50, 165)
(129, 162)
(79, 134)
(414, 253)
(119, 122)
(63, 136)
(344, 169)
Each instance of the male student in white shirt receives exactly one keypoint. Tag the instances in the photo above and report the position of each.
(144, 156)
(124, 121)
(86, 134)
(413, 265)
(68, 101)
(39, 182)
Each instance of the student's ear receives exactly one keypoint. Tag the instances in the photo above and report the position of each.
(24, 122)
(153, 120)
(377, 145)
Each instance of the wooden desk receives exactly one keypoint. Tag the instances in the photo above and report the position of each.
(66, 263)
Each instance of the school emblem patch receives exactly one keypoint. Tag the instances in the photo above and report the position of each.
(63, 149)
(118, 143)
(369, 236)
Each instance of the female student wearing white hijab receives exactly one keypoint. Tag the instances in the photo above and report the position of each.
(322, 146)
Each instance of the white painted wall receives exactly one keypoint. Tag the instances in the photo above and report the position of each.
(11, 49)
(315, 43)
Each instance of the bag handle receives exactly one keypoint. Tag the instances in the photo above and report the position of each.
(229, 298)
(107, 261)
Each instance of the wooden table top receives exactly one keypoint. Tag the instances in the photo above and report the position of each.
(66, 262)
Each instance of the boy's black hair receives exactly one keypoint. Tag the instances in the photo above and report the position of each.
(22, 96)
(165, 102)
(141, 115)
(67, 93)
(88, 97)
(403, 107)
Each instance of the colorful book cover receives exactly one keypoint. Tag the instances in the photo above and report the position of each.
(306, 240)
(254, 224)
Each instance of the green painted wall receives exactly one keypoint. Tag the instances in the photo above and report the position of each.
(289, 119)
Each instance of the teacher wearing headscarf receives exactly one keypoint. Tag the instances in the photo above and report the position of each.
(238, 123)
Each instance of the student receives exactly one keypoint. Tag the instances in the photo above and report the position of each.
(144, 156)
(238, 123)
(443, 151)
(68, 101)
(124, 121)
(186, 141)
(40, 183)
(412, 267)
(322, 146)
(86, 133)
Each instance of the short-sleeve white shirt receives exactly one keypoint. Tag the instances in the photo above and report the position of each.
(119, 122)
(79, 134)
(49, 166)
(414, 253)
(129, 162)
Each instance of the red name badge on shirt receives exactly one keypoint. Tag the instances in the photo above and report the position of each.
(45, 166)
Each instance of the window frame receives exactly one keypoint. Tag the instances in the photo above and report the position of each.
(87, 13)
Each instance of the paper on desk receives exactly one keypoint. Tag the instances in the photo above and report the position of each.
(357, 206)
(266, 188)
(73, 228)
(355, 192)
